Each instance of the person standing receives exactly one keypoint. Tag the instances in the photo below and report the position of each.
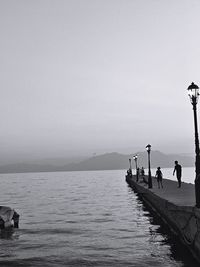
(143, 174)
(137, 174)
(159, 177)
(178, 170)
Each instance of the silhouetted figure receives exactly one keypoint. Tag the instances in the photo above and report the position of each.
(129, 172)
(143, 174)
(178, 170)
(137, 174)
(159, 177)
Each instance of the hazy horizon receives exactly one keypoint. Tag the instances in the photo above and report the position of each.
(79, 77)
(64, 159)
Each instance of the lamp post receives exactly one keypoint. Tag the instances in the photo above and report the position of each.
(136, 172)
(130, 166)
(148, 148)
(135, 158)
(193, 92)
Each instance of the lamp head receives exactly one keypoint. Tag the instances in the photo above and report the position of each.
(135, 157)
(148, 148)
(193, 92)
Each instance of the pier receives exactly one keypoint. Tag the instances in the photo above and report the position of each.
(175, 207)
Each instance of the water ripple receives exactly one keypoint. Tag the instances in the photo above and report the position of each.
(82, 219)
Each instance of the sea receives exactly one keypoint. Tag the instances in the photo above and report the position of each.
(90, 218)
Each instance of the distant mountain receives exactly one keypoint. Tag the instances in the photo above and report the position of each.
(108, 161)
(59, 161)
(112, 161)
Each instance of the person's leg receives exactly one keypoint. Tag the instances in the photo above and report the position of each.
(179, 181)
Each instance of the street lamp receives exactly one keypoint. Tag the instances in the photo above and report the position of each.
(148, 148)
(193, 92)
(130, 166)
(135, 158)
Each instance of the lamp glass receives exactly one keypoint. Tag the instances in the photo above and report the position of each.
(148, 148)
(193, 92)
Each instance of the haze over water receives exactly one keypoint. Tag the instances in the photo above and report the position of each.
(83, 219)
(85, 77)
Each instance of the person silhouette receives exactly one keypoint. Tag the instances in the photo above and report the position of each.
(143, 174)
(137, 174)
(159, 177)
(178, 170)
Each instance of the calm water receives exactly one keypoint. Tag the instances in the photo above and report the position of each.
(83, 219)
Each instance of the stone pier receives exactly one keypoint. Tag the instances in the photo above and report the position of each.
(176, 208)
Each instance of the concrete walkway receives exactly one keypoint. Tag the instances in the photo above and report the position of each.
(184, 196)
(175, 207)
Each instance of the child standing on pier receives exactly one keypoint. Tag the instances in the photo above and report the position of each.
(159, 177)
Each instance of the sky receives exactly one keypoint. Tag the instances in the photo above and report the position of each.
(79, 77)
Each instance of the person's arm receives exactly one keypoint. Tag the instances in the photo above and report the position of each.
(174, 170)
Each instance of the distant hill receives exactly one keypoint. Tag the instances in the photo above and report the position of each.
(112, 161)
(108, 161)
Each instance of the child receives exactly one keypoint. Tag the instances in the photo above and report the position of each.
(159, 177)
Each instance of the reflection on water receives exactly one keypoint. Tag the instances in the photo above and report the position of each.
(161, 234)
(83, 219)
(177, 251)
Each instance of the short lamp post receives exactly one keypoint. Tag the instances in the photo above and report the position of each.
(135, 158)
(136, 170)
(193, 92)
(148, 148)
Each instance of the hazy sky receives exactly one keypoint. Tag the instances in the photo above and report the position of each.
(84, 76)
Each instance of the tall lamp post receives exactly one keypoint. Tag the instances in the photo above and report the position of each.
(193, 92)
(148, 148)
(130, 166)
